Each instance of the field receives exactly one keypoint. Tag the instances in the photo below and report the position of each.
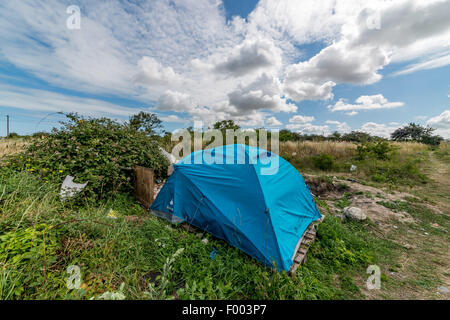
(124, 252)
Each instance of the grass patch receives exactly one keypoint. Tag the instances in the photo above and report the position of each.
(135, 252)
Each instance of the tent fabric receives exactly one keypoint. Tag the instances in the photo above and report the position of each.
(243, 200)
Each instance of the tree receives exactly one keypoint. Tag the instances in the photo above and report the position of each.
(226, 124)
(357, 136)
(146, 122)
(416, 132)
(335, 136)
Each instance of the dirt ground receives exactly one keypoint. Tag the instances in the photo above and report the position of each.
(423, 264)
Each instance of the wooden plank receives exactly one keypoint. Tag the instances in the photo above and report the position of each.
(300, 257)
(144, 185)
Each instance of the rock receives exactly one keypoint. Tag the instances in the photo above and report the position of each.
(341, 216)
(443, 289)
(355, 213)
(353, 168)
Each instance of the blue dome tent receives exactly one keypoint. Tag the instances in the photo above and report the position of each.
(250, 197)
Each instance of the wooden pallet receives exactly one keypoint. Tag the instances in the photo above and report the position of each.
(308, 237)
(144, 186)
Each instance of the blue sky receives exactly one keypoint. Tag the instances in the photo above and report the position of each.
(312, 67)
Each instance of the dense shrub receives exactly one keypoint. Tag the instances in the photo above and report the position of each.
(323, 161)
(100, 151)
(381, 150)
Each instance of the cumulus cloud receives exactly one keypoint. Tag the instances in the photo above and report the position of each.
(340, 63)
(263, 93)
(298, 90)
(272, 122)
(373, 102)
(441, 123)
(342, 127)
(151, 72)
(249, 57)
(301, 119)
(378, 129)
(175, 101)
(308, 128)
(186, 57)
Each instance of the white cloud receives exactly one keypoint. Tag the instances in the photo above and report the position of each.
(425, 65)
(42, 100)
(365, 103)
(441, 123)
(299, 90)
(340, 126)
(249, 57)
(175, 101)
(309, 128)
(185, 56)
(272, 122)
(151, 72)
(263, 93)
(378, 129)
(301, 119)
(172, 119)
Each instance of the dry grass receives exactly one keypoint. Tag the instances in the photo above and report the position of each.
(410, 147)
(11, 146)
(306, 149)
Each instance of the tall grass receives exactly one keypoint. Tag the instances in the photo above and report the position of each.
(115, 251)
(307, 149)
(11, 146)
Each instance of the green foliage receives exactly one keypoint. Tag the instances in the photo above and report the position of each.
(415, 132)
(99, 151)
(395, 172)
(287, 135)
(343, 202)
(323, 161)
(159, 291)
(13, 135)
(145, 122)
(115, 251)
(226, 124)
(381, 150)
(357, 136)
(27, 245)
(338, 248)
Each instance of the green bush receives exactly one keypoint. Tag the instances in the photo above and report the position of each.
(99, 151)
(20, 247)
(323, 161)
(380, 150)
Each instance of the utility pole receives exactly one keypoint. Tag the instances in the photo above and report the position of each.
(7, 126)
